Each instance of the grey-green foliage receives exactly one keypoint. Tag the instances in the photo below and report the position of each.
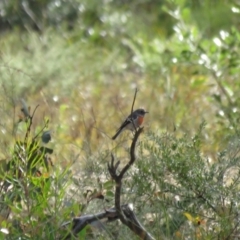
(176, 189)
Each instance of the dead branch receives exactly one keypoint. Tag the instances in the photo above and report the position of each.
(109, 215)
(127, 217)
(123, 212)
(134, 98)
(81, 222)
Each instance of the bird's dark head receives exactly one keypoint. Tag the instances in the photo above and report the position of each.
(141, 111)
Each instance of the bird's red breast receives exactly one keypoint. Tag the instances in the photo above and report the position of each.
(140, 120)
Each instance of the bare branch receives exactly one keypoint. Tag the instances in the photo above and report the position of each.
(113, 168)
(109, 215)
(79, 223)
(134, 98)
(35, 110)
(126, 215)
(132, 152)
(135, 225)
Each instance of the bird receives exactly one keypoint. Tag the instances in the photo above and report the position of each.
(132, 122)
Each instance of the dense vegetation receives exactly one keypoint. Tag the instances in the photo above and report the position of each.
(81, 61)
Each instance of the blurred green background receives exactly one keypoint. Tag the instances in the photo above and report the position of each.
(82, 60)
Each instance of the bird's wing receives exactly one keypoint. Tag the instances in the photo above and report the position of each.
(128, 120)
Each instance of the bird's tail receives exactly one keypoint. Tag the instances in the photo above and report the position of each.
(117, 133)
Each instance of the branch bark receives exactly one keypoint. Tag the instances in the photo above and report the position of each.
(79, 223)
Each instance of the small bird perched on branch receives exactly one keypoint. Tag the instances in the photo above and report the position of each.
(133, 121)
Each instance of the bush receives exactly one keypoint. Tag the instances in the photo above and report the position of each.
(32, 189)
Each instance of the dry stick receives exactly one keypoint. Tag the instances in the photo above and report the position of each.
(134, 98)
(127, 217)
(132, 152)
(79, 223)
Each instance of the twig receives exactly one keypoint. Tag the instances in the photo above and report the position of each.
(30, 124)
(81, 222)
(41, 131)
(134, 98)
(35, 110)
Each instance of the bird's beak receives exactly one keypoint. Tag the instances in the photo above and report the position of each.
(146, 112)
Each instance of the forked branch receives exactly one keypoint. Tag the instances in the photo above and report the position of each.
(128, 217)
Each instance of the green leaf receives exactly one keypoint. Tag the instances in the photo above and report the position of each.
(82, 235)
(110, 194)
(108, 185)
